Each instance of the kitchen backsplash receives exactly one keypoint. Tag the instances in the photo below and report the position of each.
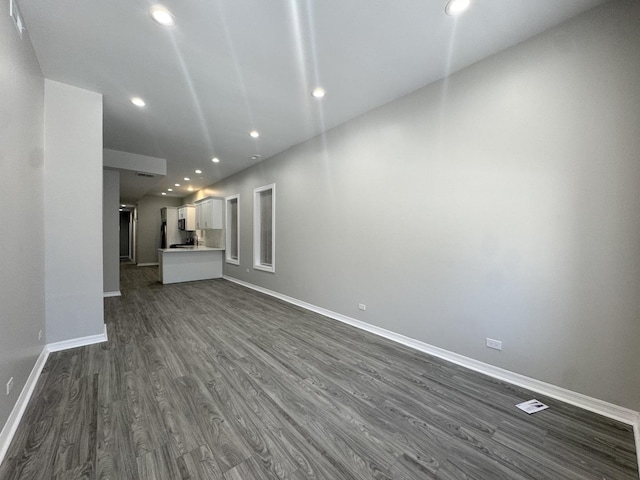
(211, 238)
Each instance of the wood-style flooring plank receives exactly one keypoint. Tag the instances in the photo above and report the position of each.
(115, 454)
(249, 469)
(199, 464)
(158, 464)
(210, 380)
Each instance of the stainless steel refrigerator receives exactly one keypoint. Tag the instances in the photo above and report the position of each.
(169, 232)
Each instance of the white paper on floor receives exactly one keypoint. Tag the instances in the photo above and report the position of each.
(532, 406)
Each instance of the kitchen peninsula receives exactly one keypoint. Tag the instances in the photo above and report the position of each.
(189, 263)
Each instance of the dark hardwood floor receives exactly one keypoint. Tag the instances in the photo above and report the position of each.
(209, 380)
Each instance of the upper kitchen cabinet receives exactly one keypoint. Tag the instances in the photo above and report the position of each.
(187, 217)
(209, 213)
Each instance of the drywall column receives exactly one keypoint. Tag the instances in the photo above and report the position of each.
(73, 212)
(110, 233)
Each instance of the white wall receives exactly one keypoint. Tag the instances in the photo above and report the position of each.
(21, 215)
(502, 202)
(148, 226)
(111, 231)
(73, 229)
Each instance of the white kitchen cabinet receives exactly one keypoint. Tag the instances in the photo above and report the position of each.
(199, 215)
(187, 217)
(209, 213)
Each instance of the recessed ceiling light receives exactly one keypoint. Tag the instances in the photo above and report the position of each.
(318, 92)
(186, 179)
(162, 16)
(123, 205)
(456, 7)
(169, 189)
(198, 171)
(256, 157)
(254, 133)
(138, 102)
(176, 184)
(164, 193)
(215, 159)
(190, 189)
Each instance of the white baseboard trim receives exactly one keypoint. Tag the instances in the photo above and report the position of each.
(610, 410)
(78, 342)
(11, 426)
(152, 264)
(636, 431)
(117, 293)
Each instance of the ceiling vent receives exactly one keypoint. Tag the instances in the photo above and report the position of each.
(145, 174)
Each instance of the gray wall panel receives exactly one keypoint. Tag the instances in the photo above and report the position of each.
(148, 226)
(110, 230)
(22, 307)
(501, 202)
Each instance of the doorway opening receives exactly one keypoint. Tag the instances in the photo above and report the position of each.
(127, 235)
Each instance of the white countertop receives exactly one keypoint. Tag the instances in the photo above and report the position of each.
(190, 249)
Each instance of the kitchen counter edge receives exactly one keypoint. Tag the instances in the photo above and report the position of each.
(190, 249)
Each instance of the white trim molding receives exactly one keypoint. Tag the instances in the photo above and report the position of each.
(150, 264)
(227, 201)
(636, 431)
(78, 342)
(258, 263)
(610, 410)
(11, 426)
(117, 293)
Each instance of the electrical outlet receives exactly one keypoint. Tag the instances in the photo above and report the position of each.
(362, 306)
(40, 335)
(9, 385)
(495, 344)
(247, 270)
